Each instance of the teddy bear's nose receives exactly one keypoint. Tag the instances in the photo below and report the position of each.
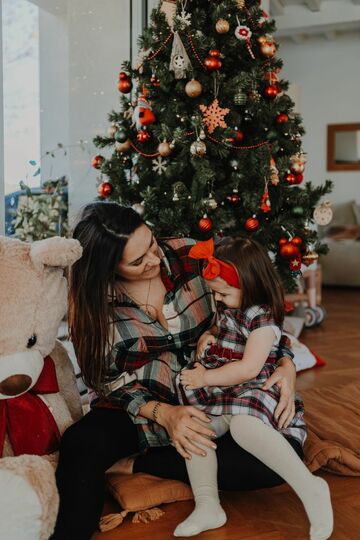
(14, 385)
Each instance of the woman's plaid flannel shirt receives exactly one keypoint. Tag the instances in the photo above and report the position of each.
(145, 358)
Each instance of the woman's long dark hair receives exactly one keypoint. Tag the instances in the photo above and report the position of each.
(258, 277)
(103, 230)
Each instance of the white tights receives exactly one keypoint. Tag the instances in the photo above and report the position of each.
(270, 447)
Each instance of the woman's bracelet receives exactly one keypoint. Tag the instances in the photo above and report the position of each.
(155, 411)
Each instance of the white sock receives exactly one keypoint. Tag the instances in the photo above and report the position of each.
(270, 447)
(208, 513)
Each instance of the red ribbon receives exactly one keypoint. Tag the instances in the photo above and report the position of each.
(215, 267)
(28, 421)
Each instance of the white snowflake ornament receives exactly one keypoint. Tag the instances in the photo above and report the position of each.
(159, 165)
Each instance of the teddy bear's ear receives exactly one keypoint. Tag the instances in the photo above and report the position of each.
(55, 251)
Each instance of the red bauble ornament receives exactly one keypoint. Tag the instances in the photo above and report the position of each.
(125, 86)
(252, 224)
(97, 161)
(271, 91)
(123, 76)
(299, 178)
(205, 224)
(105, 190)
(234, 198)
(283, 241)
(297, 241)
(143, 136)
(282, 118)
(212, 63)
(289, 251)
(215, 53)
(238, 138)
(290, 178)
(295, 264)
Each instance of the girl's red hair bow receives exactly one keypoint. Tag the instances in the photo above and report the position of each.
(215, 267)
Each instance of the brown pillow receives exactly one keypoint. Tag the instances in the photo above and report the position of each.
(141, 491)
(344, 232)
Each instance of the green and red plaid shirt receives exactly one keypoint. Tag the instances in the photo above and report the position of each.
(145, 358)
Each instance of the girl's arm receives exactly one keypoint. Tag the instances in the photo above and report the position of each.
(257, 349)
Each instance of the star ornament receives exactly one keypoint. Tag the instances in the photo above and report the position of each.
(213, 116)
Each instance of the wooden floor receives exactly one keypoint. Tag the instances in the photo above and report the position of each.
(277, 514)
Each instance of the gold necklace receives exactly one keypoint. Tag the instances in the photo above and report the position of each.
(146, 304)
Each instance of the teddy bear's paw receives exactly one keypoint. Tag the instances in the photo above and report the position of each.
(20, 508)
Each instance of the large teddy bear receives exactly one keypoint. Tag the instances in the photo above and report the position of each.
(38, 394)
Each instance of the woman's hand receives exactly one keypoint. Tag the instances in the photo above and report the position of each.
(193, 378)
(285, 377)
(205, 341)
(185, 426)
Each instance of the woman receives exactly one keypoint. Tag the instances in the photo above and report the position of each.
(136, 311)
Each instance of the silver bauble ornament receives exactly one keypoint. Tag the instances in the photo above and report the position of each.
(198, 148)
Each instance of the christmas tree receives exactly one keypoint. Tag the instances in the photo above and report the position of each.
(207, 141)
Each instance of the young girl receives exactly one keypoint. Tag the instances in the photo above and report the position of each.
(235, 359)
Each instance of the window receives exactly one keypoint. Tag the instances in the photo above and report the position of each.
(20, 20)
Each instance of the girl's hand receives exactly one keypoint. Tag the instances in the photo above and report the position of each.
(193, 378)
(285, 377)
(186, 426)
(205, 341)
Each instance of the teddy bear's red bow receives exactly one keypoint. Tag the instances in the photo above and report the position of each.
(27, 420)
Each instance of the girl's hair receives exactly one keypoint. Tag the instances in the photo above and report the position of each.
(258, 278)
(103, 230)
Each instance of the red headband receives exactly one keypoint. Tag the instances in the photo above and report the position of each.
(215, 267)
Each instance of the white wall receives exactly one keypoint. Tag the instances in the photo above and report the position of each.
(328, 73)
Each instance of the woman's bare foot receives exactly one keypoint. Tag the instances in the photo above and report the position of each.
(124, 465)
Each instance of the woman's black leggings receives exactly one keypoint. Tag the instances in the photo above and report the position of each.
(97, 441)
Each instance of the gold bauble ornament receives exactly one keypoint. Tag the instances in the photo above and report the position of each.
(198, 148)
(164, 149)
(193, 88)
(123, 147)
(310, 257)
(222, 26)
(267, 46)
(240, 4)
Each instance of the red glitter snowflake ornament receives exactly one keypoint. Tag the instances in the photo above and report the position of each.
(213, 116)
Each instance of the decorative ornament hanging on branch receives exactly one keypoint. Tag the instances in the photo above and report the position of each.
(105, 190)
(193, 88)
(179, 61)
(243, 33)
(222, 26)
(123, 147)
(125, 84)
(323, 213)
(212, 62)
(265, 205)
(198, 148)
(97, 161)
(143, 115)
(205, 224)
(213, 116)
(268, 46)
(164, 149)
(252, 224)
(159, 165)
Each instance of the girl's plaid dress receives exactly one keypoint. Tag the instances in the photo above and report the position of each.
(234, 327)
